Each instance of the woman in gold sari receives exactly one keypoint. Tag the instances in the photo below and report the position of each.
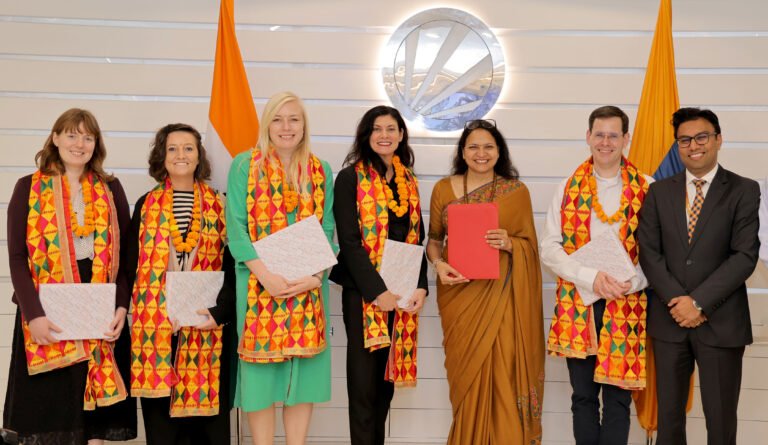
(492, 329)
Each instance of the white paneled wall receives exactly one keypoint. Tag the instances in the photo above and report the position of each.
(141, 64)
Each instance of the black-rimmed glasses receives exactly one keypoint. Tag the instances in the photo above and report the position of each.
(480, 123)
(701, 139)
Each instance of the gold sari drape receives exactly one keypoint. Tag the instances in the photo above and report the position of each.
(493, 329)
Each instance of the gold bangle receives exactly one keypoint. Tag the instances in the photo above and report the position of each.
(437, 261)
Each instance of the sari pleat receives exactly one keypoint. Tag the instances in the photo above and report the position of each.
(493, 330)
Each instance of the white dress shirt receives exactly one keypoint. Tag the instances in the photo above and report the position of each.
(554, 256)
(690, 188)
(763, 232)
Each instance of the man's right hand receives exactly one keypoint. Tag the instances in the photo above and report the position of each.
(605, 286)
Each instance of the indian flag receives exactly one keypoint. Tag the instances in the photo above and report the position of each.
(233, 126)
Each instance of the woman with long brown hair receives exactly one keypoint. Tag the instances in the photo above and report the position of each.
(64, 226)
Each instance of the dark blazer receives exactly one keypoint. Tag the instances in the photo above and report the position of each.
(354, 270)
(713, 268)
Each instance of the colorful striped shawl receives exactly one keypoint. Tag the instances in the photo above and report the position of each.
(620, 344)
(52, 260)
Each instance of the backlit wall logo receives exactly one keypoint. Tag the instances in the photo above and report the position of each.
(443, 67)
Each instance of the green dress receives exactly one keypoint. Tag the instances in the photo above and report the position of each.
(299, 380)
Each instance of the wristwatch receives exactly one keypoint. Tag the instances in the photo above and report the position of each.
(696, 305)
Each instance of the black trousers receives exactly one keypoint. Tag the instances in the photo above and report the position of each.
(720, 382)
(588, 429)
(369, 394)
(162, 429)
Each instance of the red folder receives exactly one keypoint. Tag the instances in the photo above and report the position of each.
(468, 251)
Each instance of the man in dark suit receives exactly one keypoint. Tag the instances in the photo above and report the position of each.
(698, 245)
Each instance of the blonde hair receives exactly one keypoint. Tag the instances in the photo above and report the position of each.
(300, 157)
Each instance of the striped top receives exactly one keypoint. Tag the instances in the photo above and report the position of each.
(183, 202)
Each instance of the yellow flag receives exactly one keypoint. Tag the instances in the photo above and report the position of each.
(651, 141)
(653, 134)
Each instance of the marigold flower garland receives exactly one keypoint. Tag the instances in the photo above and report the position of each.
(193, 234)
(598, 208)
(88, 223)
(291, 199)
(402, 189)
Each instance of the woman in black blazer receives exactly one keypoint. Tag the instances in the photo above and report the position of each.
(377, 174)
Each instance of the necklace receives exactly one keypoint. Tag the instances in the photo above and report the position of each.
(402, 189)
(493, 189)
(193, 234)
(598, 208)
(88, 224)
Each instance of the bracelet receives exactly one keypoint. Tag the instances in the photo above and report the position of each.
(437, 261)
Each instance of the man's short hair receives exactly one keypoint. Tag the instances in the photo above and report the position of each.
(609, 111)
(691, 114)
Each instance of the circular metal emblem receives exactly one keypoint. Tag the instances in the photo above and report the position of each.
(443, 67)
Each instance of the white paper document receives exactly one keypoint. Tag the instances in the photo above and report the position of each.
(299, 250)
(188, 292)
(83, 311)
(605, 253)
(400, 267)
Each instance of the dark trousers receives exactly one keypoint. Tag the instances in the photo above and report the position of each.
(162, 429)
(369, 394)
(720, 382)
(585, 404)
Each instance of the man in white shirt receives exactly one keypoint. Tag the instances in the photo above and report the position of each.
(603, 342)
(698, 238)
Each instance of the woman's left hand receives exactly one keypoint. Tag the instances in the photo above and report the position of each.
(416, 301)
(299, 286)
(498, 239)
(116, 326)
(208, 324)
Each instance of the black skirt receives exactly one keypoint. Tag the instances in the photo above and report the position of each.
(47, 408)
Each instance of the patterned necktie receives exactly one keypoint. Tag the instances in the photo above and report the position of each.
(695, 208)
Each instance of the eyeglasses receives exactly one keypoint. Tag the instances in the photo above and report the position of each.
(701, 139)
(600, 136)
(480, 123)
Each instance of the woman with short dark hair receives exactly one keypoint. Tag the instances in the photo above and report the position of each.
(181, 374)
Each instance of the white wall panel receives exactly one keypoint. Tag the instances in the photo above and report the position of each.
(710, 15)
(303, 45)
(142, 64)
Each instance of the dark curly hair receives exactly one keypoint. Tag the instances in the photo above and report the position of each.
(361, 148)
(157, 155)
